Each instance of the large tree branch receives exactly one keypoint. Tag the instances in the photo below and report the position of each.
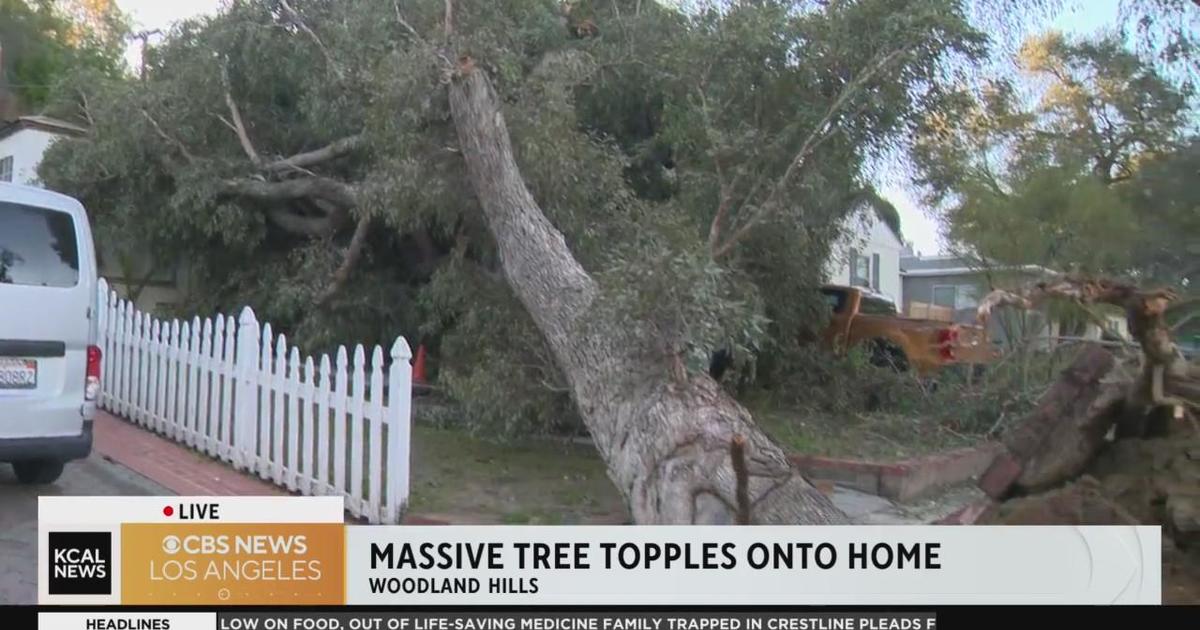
(183, 150)
(341, 195)
(302, 225)
(296, 19)
(822, 131)
(331, 151)
(349, 262)
(239, 127)
(1144, 309)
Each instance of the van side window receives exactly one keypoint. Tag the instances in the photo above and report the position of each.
(37, 247)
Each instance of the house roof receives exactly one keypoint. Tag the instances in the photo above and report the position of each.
(41, 123)
(916, 266)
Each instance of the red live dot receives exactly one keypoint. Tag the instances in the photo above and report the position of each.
(167, 511)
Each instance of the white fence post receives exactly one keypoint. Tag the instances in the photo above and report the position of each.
(378, 448)
(399, 415)
(245, 418)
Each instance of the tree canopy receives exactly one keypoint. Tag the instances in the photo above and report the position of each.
(699, 163)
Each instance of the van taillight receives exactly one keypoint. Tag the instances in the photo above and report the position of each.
(947, 338)
(92, 384)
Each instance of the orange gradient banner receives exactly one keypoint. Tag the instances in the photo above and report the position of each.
(232, 564)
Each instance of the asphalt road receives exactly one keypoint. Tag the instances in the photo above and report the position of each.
(94, 476)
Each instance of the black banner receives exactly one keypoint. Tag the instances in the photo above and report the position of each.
(585, 618)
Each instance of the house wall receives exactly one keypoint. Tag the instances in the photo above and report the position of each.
(1005, 325)
(869, 236)
(26, 147)
(920, 289)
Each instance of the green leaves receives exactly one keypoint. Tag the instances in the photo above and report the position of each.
(1041, 171)
(43, 44)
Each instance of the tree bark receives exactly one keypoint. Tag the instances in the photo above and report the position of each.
(666, 442)
(1058, 439)
(332, 151)
(349, 261)
(337, 193)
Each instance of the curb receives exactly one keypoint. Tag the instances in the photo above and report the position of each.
(905, 479)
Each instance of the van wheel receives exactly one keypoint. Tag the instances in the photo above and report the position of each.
(38, 471)
(886, 354)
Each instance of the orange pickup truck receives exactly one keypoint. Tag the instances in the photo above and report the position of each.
(864, 317)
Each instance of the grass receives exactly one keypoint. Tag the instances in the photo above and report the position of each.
(875, 436)
(550, 482)
(533, 482)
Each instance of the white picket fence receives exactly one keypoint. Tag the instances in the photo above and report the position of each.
(236, 392)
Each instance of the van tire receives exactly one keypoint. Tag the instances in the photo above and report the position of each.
(38, 471)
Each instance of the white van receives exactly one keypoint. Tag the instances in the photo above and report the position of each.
(49, 363)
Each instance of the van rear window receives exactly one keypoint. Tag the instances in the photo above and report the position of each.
(37, 247)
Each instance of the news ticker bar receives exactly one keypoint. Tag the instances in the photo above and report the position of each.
(486, 621)
(227, 551)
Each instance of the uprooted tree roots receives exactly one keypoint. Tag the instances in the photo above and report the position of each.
(1114, 440)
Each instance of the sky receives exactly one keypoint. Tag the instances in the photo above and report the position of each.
(922, 230)
(160, 14)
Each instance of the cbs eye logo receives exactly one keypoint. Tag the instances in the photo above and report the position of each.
(171, 545)
(80, 563)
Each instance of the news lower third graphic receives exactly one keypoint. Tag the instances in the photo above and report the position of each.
(191, 551)
(281, 551)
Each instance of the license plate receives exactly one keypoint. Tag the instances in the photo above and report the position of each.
(18, 374)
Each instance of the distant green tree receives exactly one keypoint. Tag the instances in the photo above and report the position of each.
(41, 41)
(1049, 183)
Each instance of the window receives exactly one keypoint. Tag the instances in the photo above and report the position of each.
(37, 247)
(945, 295)
(860, 270)
(6, 169)
(958, 297)
(864, 270)
(875, 271)
(967, 296)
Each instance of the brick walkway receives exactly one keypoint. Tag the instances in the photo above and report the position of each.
(174, 466)
(184, 471)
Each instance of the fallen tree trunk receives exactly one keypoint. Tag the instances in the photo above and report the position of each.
(1056, 441)
(668, 442)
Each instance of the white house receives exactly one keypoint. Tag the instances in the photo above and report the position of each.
(868, 255)
(23, 142)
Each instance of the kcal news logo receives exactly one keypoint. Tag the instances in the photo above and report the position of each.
(80, 563)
